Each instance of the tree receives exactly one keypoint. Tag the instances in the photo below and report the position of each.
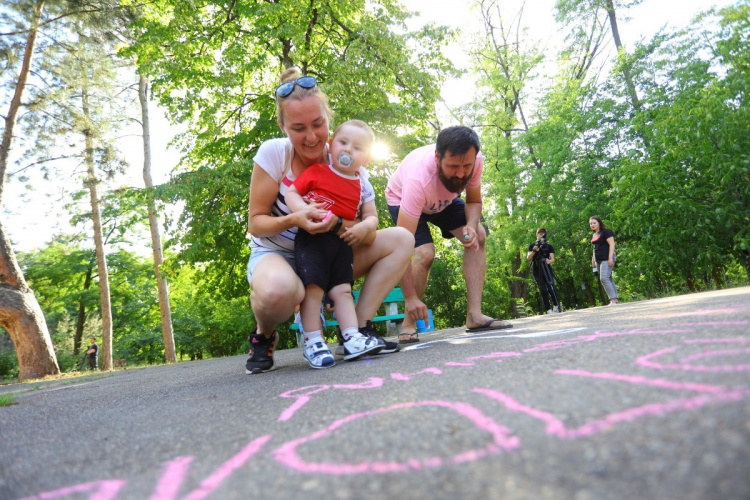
(214, 69)
(156, 246)
(20, 314)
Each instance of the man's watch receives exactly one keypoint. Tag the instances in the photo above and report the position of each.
(337, 226)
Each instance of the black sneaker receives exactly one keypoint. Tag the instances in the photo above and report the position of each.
(390, 347)
(261, 353)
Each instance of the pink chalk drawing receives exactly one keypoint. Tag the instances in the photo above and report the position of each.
(555, 427)
(100, 490)
(660, 383)
(407, 376)
(686, 363)
(697, 312)
(560, 344)
(501, 440)
(175, 471)
(704, 355)
(305, 392)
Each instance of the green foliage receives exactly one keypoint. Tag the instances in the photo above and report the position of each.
(8, 360)
(214, 68)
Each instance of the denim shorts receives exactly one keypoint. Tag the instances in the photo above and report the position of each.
(259, 252)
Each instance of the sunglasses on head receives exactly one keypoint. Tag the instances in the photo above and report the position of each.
(286, 88)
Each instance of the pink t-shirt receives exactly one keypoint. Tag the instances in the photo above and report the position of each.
(415, 186)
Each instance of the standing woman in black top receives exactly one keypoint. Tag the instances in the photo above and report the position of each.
(603, 259)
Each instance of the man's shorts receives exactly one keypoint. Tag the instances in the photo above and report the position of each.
(449, 219)
(323, 259)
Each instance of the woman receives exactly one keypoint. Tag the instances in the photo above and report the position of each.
(603, 258)
(304, 117)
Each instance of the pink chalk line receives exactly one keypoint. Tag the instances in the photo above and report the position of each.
(555, 427)
(407, 376)
(684, 363)
(501, 440)
(100, 490)
(559, 344)
(663, 384)
(302, 394)
(697, 312)
(175, 471)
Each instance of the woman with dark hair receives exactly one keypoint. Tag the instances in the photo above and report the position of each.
(603, 258)
(304, 117)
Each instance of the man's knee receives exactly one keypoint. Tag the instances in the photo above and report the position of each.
(424, 256)
(481, 235)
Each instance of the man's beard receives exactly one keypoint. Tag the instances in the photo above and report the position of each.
(454, 185)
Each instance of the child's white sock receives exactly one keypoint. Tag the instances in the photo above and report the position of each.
(347, 334)
(315, 336)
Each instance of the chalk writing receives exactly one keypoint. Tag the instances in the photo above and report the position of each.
(703, 355)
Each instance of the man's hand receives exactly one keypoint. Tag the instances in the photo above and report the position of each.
(415, 309)
(469, 239)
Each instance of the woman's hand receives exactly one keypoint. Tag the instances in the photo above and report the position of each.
(310, 218)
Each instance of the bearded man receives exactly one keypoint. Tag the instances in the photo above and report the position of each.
(427, 187)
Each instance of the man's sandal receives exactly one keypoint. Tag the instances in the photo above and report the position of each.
(408, 338)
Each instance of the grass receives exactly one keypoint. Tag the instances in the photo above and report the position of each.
(7, 399)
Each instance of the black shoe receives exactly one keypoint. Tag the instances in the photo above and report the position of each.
(390, 347)
(261, 353)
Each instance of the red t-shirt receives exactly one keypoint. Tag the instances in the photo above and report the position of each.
(339, 193)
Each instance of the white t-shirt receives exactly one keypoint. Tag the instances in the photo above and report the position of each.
(275, 158)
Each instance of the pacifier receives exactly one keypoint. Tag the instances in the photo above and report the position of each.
(345, 159)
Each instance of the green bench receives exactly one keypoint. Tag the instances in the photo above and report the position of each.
(392, 316)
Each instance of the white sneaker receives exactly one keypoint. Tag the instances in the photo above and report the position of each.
(556, 309)
(549, 311)
(358, 345)
(317, 354)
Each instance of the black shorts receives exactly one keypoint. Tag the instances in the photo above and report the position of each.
(449, 219)
(323, 259)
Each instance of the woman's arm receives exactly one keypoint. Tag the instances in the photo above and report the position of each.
(611, 260)
(263, 193)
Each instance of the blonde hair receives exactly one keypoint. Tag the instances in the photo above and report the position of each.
(299, 93)
(358, 124)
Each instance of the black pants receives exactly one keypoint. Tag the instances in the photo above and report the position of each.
(545, 288)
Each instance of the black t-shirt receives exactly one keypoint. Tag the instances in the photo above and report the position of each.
(544, 252)
(601, 247)
(96, 350)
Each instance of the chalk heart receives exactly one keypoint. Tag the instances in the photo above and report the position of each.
(500, 440)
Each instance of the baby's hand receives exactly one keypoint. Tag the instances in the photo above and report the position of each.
(355, 234)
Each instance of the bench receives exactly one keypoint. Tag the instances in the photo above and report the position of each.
(392, 316)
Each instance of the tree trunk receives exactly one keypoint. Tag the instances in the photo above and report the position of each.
(81, 313)
(161, 281)
(621, 52)
(101, 256)
(20, 313)
(15, 103)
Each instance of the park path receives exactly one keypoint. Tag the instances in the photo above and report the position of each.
(643, 400)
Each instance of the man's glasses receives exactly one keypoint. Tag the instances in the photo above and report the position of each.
(286, 88)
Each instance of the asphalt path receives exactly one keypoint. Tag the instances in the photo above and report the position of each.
(641, 400)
